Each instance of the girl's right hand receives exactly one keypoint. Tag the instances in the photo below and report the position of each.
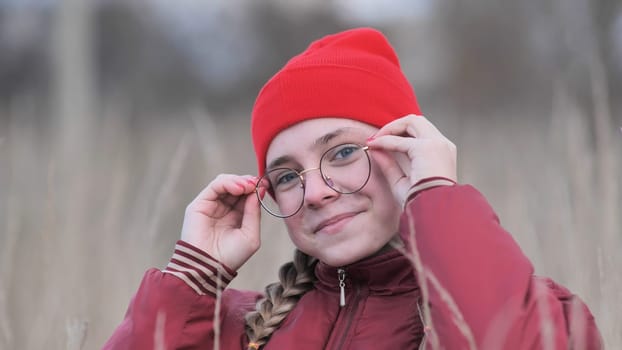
(223, 220)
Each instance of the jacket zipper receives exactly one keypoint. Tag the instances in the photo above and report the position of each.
(349, 316)
(341, 274)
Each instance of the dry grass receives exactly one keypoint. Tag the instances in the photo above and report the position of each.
(89, 201)
(81, 224)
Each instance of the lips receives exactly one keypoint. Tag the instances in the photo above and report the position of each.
(334, 223)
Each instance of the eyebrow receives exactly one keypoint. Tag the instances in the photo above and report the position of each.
(320, 141)
(278, 162)
(325, 139)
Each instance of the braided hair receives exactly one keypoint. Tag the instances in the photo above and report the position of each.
(295, 279)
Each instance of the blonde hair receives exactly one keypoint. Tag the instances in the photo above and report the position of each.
(295, 279)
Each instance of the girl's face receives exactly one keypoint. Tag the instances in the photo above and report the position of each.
(336, 228)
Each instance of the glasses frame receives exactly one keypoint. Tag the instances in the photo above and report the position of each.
(303, 183)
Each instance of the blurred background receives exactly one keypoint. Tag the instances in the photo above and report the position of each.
(114, 114)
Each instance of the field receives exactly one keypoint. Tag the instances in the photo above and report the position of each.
(101, 153)
(82, 223)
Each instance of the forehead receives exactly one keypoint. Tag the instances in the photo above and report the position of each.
(303, 137)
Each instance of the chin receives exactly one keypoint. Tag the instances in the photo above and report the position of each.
(341, 258)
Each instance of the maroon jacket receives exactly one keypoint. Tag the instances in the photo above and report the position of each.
(481, 294)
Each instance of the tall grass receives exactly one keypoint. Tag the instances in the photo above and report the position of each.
(89, 200)
(77, 236)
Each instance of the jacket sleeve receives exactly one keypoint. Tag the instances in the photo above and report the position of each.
(182, 306)
(481, 289)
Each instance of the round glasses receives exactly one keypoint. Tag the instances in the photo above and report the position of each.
(344, 168)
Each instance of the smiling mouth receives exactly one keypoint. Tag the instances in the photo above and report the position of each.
(334, 224)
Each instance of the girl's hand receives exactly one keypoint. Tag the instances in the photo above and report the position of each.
(223, 220)
(415, 150)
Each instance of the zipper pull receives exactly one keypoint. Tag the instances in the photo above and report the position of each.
(341, 273)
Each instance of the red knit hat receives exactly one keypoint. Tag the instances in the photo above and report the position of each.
(353, 74)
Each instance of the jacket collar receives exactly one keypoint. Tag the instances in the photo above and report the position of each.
(386, 273)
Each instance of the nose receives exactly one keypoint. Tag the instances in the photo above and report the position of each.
(317, 192)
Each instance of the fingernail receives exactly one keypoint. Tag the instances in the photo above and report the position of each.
(371, 138)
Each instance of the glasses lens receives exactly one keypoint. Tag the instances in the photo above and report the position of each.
(285, 192)
(346, 168)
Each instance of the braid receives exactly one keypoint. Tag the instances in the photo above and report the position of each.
(295, 279)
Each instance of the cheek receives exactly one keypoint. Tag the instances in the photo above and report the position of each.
(293, 226)
(383, 191)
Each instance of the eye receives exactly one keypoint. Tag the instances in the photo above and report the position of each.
(286, 177)
(343, 152)
(283, 179)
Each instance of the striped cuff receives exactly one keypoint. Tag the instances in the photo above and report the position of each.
(428, 183)
(198, 269)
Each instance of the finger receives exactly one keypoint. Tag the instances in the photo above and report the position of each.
(221, 195)
(393, 143)
(394, 173)
(252, 218)
(247, 184)
(236, 192)
(391, 169)
(412, 125)
(224, 184)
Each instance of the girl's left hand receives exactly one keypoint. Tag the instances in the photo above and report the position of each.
(419, 150)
